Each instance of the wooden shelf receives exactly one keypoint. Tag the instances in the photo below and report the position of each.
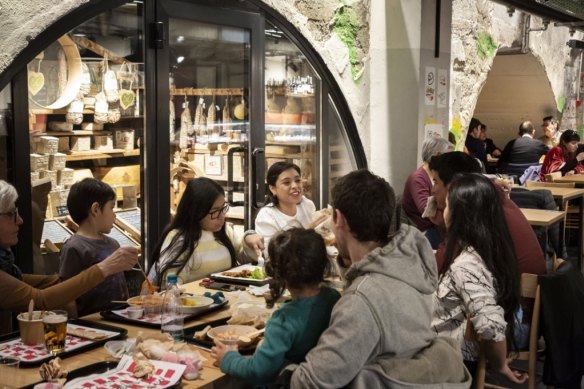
(94, 154)
(207, 92)
(73, 133)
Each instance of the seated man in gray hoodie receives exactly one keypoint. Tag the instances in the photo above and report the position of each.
(380, 334)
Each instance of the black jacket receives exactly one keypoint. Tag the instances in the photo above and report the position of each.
(562, 323)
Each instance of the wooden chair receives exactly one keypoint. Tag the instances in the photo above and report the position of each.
(529, 289)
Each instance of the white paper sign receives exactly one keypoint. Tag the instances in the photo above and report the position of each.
(430, 86)
(442, 88)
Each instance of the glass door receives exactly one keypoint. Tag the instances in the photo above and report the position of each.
(214, 60)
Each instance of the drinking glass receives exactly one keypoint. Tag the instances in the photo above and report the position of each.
(55, 327)
(9, 373)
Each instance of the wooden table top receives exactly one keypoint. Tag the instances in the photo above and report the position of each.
(542, 217)
(558, 193)
(209, 373)
(577, 178)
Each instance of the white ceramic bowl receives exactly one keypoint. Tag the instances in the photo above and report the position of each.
(194, 304)
(135, 312)
(230, 333)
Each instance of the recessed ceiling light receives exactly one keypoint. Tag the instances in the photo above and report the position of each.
(180, 58)
(180, 38)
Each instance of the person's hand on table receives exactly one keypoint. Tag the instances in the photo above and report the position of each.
(218, 351)
(313, 224)
(255, 242)
(122, 259)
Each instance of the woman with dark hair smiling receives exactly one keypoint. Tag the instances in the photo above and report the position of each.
(288, 207)
(479, 280)
(197, 242)
(564, 157)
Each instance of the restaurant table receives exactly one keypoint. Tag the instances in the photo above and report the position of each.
(578, 179)
(562, 196)
(543, 218)
(211, 376)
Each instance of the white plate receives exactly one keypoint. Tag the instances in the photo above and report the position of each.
(240, 280)
(201, 304)
(119, 348)
(233, 331)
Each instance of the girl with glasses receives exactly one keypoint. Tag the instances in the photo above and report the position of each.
(198, 242)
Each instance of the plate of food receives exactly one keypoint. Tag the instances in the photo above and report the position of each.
(245, 274)
(246, 337)
(191, 303)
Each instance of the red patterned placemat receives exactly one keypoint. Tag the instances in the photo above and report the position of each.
(165, 375)
(14, 348)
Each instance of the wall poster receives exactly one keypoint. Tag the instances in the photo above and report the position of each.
(430, 86)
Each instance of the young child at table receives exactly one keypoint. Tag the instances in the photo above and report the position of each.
(91, 205)
(298, 261)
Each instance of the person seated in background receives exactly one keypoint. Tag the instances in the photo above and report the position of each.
(479, 279)
(530, 258)
(490, 147)
(551, 134)
(47, 291)
(418, 188)
(198, 242)
(298, 262)
(380, 327)
(287, 207)
(521, 152)
(474, 144)
(564, 157)
(91, 205)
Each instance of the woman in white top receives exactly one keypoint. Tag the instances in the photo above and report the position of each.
(480, 279)
(198, 242)
(288, 207)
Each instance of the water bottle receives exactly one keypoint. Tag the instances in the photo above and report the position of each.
(172, 321)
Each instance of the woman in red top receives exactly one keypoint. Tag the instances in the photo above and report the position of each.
(563, 157)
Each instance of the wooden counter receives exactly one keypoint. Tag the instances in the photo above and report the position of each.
(211, 376)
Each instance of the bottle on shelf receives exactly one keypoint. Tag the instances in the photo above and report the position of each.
(172, 320)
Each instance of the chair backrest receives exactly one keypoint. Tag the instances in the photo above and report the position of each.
(551, 177)
(529, 289)
(548, 184)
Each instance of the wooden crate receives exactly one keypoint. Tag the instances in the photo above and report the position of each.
(39, 162)
(65, 177)
(124, 139)
(57, 161)
(48, 145)
(52, 174)
(80, 143)
(103, 142)
(63, 144)
(119, 176)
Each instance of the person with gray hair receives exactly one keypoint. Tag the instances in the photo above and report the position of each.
(418, 189)
(47, 291)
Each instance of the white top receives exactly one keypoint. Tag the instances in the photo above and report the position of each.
(270, 220)
(210, 256)
(467, 290)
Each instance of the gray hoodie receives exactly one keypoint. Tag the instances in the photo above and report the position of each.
(384, 313)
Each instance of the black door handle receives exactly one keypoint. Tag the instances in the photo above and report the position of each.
(230, 185)
(257, 170)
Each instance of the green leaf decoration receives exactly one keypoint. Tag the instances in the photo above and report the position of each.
(486, 46)
(561, 103)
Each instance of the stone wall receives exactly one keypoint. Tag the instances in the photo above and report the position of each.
(472, 59)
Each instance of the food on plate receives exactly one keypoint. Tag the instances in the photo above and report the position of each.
(201, 335)
(162, 347)
(52, 370)
(188, 302)
(143, 368)
(86, 334)
(153, 299)
(257, 273)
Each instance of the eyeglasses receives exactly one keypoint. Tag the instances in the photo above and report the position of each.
(218, 212)
(12, 214)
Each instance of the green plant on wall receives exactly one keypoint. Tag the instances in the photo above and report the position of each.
(561, 103)
(486, 46)
(345, 25)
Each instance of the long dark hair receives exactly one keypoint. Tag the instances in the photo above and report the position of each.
(477, 220)
(195, 203)
(274, 172)
(567, 137)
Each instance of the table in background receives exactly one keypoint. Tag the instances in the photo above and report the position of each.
(562, 196)
(211, 376)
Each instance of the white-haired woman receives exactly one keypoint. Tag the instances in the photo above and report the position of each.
(17, 289)
(418, 189)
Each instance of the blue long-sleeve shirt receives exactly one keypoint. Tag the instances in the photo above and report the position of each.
(292, 331)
